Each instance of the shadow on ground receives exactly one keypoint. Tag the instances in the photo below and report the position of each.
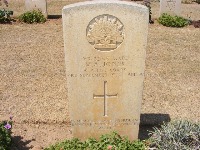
(54, 16)
(149, 121)
(19, 144)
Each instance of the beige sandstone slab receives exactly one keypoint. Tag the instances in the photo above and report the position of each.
(172, 7)
(35, 5)
(104, 43)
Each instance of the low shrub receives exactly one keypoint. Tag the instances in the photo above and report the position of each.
(5, 16)
(5, 135)
(177, 135)
(172, 21)
(187, 1)
(34, 16)
(111, 141)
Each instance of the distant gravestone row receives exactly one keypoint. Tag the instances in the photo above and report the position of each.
(105, 49)
(171, 7)
(36, 5)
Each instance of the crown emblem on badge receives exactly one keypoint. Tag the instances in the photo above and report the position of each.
(105, 32)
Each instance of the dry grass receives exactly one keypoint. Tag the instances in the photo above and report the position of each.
(172, 72)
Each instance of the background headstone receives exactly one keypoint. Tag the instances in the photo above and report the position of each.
(172, 7)
(35, 5)
(105, 44)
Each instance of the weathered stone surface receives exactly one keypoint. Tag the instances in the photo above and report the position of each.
(172, 7)
(105, 45)
(37, 4)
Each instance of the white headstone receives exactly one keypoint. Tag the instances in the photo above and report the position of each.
(172, 7)
(37, 5)
(105, 49)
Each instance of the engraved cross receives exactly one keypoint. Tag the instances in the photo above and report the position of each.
(105, 96)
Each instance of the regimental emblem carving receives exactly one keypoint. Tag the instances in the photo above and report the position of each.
(105, 32)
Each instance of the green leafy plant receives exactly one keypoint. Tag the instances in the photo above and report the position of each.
(111, 141)
(5, 134)
(5, 16)
(34, 16)
(172, 21)
(180, 135)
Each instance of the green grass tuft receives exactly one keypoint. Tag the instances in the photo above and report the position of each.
(172, 21)
(32, 17)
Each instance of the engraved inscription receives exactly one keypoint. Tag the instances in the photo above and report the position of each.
(105, 124)
(105, 32)
(105, 96)
(171, 4)
(101, 67)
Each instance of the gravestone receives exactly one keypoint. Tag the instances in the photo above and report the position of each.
(36, 5)
(172, 7)
(104, 44)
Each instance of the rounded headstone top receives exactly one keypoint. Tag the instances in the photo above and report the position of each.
(96, 2)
